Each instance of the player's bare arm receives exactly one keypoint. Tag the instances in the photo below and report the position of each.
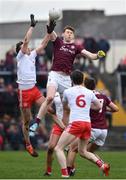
(58, 122)
(112, 107)
(28, 35)
(50, 28)
(53, 36)
(43, 44)
(93, 56)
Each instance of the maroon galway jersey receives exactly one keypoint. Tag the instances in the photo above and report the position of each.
(64, 55)
(98, 120)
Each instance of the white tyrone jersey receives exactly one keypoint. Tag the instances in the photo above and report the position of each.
(79, 100)
(26, 70)
(59, 107)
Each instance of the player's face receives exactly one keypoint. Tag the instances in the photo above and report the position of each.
(68, 35)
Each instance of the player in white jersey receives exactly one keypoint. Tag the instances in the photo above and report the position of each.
(26, 79)
(98, 123)
(79, 100)
(55, 133)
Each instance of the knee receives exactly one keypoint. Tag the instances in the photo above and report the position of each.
(50, 150)
(51, 147)
(25, 125)
(82, 153)
(56, 148)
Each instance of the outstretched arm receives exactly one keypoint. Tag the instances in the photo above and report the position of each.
(43, 43)
(26, 40)
(50, 30)
(47, 37)
(28, 35)
(93, 56)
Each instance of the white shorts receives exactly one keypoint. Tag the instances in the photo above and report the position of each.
(61, 82)
(98, 136)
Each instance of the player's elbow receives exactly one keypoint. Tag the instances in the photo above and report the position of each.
(26, 41)
(115, 109)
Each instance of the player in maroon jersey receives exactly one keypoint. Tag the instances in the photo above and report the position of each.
(64, 53)
(98, 123)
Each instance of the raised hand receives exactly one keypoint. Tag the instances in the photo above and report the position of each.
(51, 26)
(33, 21)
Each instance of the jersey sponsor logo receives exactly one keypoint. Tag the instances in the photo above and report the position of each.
(65, 49)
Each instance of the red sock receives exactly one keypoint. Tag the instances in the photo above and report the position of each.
(49, 169)
(99, 163)
(64, 172)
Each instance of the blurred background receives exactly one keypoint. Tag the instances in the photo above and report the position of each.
(99, 25)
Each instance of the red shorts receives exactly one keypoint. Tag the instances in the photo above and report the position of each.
(57, 130)
(80, 129)
(28, 97)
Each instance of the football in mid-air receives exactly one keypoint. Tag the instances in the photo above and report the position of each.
(55, 14)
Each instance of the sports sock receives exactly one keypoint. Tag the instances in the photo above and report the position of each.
(49, 169)
(69, 169)
(37, 120)
(99, 163)
(64, 172)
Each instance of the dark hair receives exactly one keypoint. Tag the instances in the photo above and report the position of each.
(90, 83)
(70, 28)
(77, 77)
(18, 46)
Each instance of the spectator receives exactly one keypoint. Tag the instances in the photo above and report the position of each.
(10, 101)
(90, 44)
(41, 67)
(9, 61)
(14, 137)
(2, 134)
(104, 45)
(122, 65)
(2, 84)
(91, 70)
(2, 65)
(41, 62)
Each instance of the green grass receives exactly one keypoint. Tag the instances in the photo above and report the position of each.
(19, 165)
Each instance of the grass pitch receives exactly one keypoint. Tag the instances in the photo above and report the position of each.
(20, 165)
